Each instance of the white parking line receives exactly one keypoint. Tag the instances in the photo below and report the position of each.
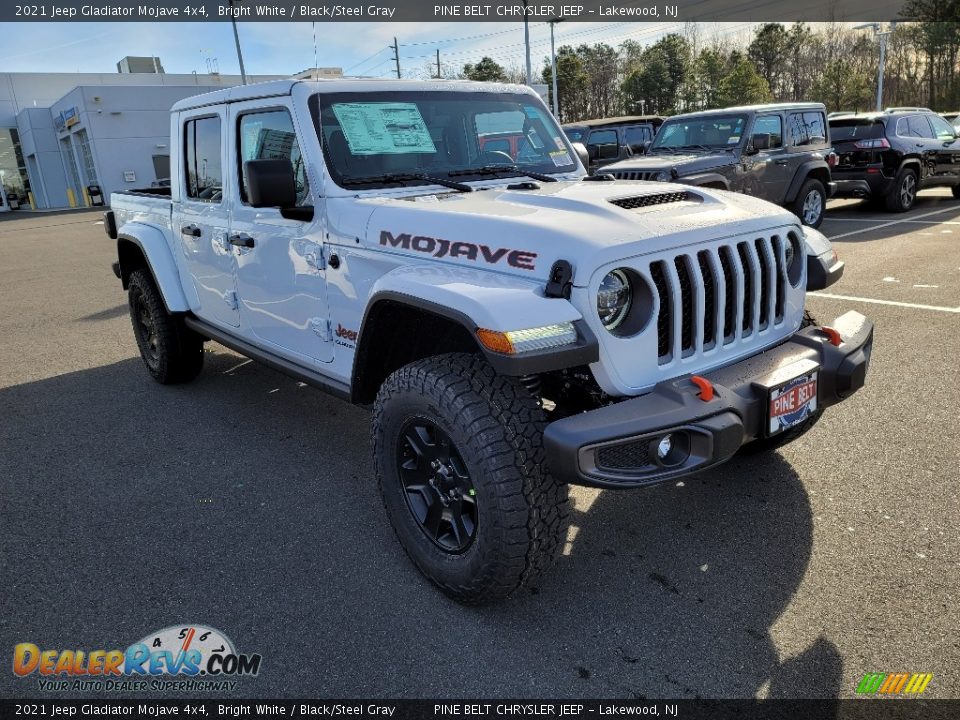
(889, 224)
(895, 303)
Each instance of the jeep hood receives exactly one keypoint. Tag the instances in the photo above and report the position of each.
(686, 164)
(523, 232)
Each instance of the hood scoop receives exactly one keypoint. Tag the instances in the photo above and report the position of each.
(641, 201)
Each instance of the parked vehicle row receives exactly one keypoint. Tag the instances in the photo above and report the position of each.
(612, 139)
(792, 154)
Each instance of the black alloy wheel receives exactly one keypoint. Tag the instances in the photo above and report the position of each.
(437, 485)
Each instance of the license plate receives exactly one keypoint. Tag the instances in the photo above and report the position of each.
(792, 402)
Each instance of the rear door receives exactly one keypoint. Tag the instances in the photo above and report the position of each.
(636, 136)
(281, 277)
(200, 216)
(603, 145)
(916, 133)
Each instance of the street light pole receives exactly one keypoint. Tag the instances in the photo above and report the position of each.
(236, 39)
(882, 36)
(553, 70)
(526, 40)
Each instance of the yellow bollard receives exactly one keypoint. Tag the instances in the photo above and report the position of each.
(71, 198)
(86, 198)
(33, 204)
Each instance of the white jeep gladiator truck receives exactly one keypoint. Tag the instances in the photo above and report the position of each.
(515, 325)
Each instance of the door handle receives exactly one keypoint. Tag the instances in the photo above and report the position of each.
(191, 230)
(241, 240)
(782, 162)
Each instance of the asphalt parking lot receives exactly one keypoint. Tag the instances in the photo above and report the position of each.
(244, 501)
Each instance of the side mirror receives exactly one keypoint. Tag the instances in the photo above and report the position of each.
(582, 153)
(760, 141)
(593, 151)
(270, 183)
(645, 146)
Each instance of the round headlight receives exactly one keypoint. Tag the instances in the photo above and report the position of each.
(789, 255)
(613, 299)
(662, 176)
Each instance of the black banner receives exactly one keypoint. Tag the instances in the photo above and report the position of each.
(439, 11)
(865, 709)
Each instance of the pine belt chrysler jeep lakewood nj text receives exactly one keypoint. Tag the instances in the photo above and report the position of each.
(515, 325)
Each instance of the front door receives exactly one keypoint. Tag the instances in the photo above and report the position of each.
(948, 155)
(200, 218)
(281, 279)
(771, 165)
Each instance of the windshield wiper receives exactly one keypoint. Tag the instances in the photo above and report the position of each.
(405, 177)
(698, 147)
(498, 169)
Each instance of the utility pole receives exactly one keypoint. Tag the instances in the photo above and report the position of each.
(526, 40)
(553, 70)
(439, 74)
(882, 36)
(236, 39)
(396, 55)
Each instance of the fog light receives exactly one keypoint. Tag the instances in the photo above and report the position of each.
(664, 447)
(672, 449)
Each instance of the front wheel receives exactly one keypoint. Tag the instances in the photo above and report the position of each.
(463, 477)
(810, 203)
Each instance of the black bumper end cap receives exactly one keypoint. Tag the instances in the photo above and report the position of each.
(820, 275)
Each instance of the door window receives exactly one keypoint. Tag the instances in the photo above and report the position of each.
(915, 126)
(941, 128)
(806, 128)
(771, 125)
(636, 136)
(203, 168)
(270, 136)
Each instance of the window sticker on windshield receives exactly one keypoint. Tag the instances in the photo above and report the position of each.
(559, 143)
(383, 128)
(561, 158)
(733, 139)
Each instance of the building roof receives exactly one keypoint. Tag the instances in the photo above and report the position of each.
(279, 88)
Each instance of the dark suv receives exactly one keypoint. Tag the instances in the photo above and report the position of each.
(612, 139)
(891, 155)
(779, 153)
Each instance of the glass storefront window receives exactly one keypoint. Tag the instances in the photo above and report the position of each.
(13, 171)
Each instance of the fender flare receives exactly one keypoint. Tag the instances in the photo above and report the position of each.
(800, 177)
(153, 244)
(701, 179)
(474, 299)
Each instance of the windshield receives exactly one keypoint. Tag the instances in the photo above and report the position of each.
(375, 139)
(710, 132)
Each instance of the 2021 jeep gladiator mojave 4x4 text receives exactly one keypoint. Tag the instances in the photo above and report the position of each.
(515, 326)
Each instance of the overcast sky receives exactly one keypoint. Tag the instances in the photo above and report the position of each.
(285, 48)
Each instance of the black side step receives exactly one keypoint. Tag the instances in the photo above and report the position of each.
(335, 388)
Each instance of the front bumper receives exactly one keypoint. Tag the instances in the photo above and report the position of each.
(712, 430)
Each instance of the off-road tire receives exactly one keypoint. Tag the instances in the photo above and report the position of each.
(903, 195)
(788, 436)
(497, 428)
(812, 185)
(172, 352)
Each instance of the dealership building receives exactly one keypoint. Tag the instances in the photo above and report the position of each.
(70, 139)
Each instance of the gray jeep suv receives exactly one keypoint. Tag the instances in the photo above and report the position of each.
(779, 152)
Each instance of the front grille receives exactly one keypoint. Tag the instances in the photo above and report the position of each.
(743, 287)
(624, 457)
(642, 201)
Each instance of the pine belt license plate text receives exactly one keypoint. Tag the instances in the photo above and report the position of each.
(792, 402)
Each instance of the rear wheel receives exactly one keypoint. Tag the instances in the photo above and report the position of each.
(463, 477)
(904, 192)
(172, 352)
(810, 203)
(787, 436)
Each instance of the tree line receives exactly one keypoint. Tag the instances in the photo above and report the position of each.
(685, 71)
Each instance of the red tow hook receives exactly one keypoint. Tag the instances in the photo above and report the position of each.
(832, 335)
(706, 387)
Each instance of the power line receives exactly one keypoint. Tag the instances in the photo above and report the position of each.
(362, 62)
